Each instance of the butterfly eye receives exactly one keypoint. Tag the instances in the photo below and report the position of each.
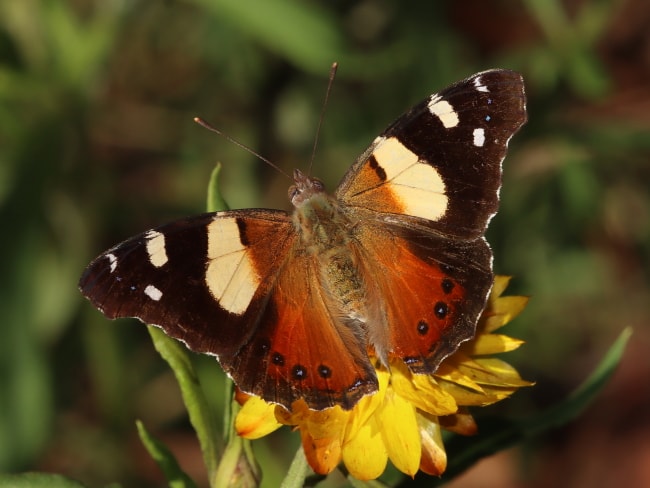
(293, 192)
(318, 185)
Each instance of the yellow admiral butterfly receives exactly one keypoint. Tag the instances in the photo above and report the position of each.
(394, 264)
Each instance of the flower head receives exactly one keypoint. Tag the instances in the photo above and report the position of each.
(403, 420)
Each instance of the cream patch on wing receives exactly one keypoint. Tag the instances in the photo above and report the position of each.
(231, 276)
(478, 84)
(478, 137)
(156, 249)
(153, 293)
(416, 185)
(112, 260)
(444, 111)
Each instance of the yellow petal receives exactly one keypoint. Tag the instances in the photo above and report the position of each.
(422, 391)
(495, 372)
(501, 282)
(397, 422)
(434, 456)
(368, 405)
(256, 418)
(330, 422)
(299, 412)
(502, 311)
(465, 397)
(450, 372)
(365, 455)
(496, 394)
(491, 344)
(488, 396)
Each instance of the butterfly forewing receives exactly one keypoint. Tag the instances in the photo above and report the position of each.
(441, 161)
(203, 280)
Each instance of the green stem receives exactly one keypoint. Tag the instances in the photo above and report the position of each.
(298, 471)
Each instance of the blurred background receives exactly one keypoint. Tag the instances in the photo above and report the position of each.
(97, 143)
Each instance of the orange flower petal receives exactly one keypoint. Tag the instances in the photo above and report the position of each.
(323, 455)
(461, 423)
(434, 456)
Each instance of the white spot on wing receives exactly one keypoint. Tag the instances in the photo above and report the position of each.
(479, 137)
(156, 248)
(112, 259)
(478, 84)
(152, 292)
(416, 185)
(444, 111)
(231, 276)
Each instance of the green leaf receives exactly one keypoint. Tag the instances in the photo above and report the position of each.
(298, 471)
(215, 200)
(37, 480)
(175, 476)
(197, 406)
(580, 399)
(238, 467)
(312, 42)
(497, 433)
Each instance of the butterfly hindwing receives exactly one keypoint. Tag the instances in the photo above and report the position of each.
(432, 290)
(301, 348)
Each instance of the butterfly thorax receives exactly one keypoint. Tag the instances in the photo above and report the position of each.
(326, 235)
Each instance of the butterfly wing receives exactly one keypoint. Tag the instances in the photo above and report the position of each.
(237, 285)
(422, 196)
(302, 349)
(441, 161)
(201, 279)
(430, 291)
(242, 286)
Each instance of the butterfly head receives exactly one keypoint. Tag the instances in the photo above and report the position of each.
(304, 188)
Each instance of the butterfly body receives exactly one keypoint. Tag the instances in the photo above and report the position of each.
(326, 235)
(392, 266)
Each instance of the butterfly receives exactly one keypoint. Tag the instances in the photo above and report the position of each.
(393, 266)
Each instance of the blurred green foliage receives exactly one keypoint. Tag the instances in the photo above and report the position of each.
(97, 143)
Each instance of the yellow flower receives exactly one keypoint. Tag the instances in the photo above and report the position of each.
(403, 420)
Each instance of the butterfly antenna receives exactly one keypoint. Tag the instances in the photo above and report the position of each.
(206, 125)
(322, 113)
